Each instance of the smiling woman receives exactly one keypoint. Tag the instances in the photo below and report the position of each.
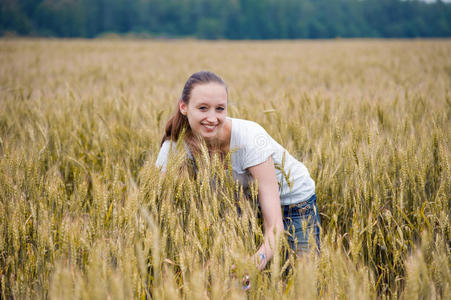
(206, 112)
(286, 192)
(201, 111)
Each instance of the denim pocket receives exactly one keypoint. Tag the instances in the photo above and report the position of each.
(301, 221)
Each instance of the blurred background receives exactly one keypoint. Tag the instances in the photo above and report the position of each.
(230, 19)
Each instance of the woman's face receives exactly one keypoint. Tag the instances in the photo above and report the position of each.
(206, 110)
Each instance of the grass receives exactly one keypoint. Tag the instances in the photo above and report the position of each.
(85, 214)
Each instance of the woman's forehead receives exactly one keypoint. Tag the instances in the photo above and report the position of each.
(210, 92)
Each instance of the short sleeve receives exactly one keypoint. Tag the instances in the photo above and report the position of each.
(162, 158)
(259, 146)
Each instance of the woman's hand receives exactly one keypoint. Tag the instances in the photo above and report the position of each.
(262, 257)
(268, 191)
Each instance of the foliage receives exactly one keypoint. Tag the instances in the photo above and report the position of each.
(232, 19)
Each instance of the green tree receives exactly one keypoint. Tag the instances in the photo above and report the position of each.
(234, 19)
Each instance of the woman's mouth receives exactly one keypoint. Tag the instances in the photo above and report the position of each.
(209, 127)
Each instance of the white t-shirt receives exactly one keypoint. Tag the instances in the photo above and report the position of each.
(252, 145)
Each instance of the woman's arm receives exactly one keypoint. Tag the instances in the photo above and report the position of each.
(269, 200)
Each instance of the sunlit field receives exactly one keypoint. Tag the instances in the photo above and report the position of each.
(84, 213)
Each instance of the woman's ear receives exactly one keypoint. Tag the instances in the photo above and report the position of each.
(183, 107)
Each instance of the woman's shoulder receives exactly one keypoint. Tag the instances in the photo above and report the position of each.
(254, 145)
(167, 142)
(168, 145)
(174, 146)
(246, 127)
(249, 135)
(168, 148)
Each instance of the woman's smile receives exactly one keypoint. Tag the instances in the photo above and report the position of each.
(209, 127)
(206, 110)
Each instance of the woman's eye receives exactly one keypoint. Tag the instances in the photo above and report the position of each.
(203, 108)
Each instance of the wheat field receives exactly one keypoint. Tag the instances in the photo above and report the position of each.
(84, 213)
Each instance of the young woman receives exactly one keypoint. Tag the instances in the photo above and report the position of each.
(202, 111)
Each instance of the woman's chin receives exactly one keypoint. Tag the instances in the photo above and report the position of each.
(209, 137)
(209, 133)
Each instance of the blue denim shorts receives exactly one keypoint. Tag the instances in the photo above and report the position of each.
(301, 222)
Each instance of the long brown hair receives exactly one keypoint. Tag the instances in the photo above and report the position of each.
(178, 122)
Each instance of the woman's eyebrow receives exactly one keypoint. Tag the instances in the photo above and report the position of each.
(208, 104)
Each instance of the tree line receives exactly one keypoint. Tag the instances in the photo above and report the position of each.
(227, 19)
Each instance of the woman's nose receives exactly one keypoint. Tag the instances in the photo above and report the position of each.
(211, 116)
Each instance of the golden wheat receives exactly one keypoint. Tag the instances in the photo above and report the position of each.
(85, 213)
